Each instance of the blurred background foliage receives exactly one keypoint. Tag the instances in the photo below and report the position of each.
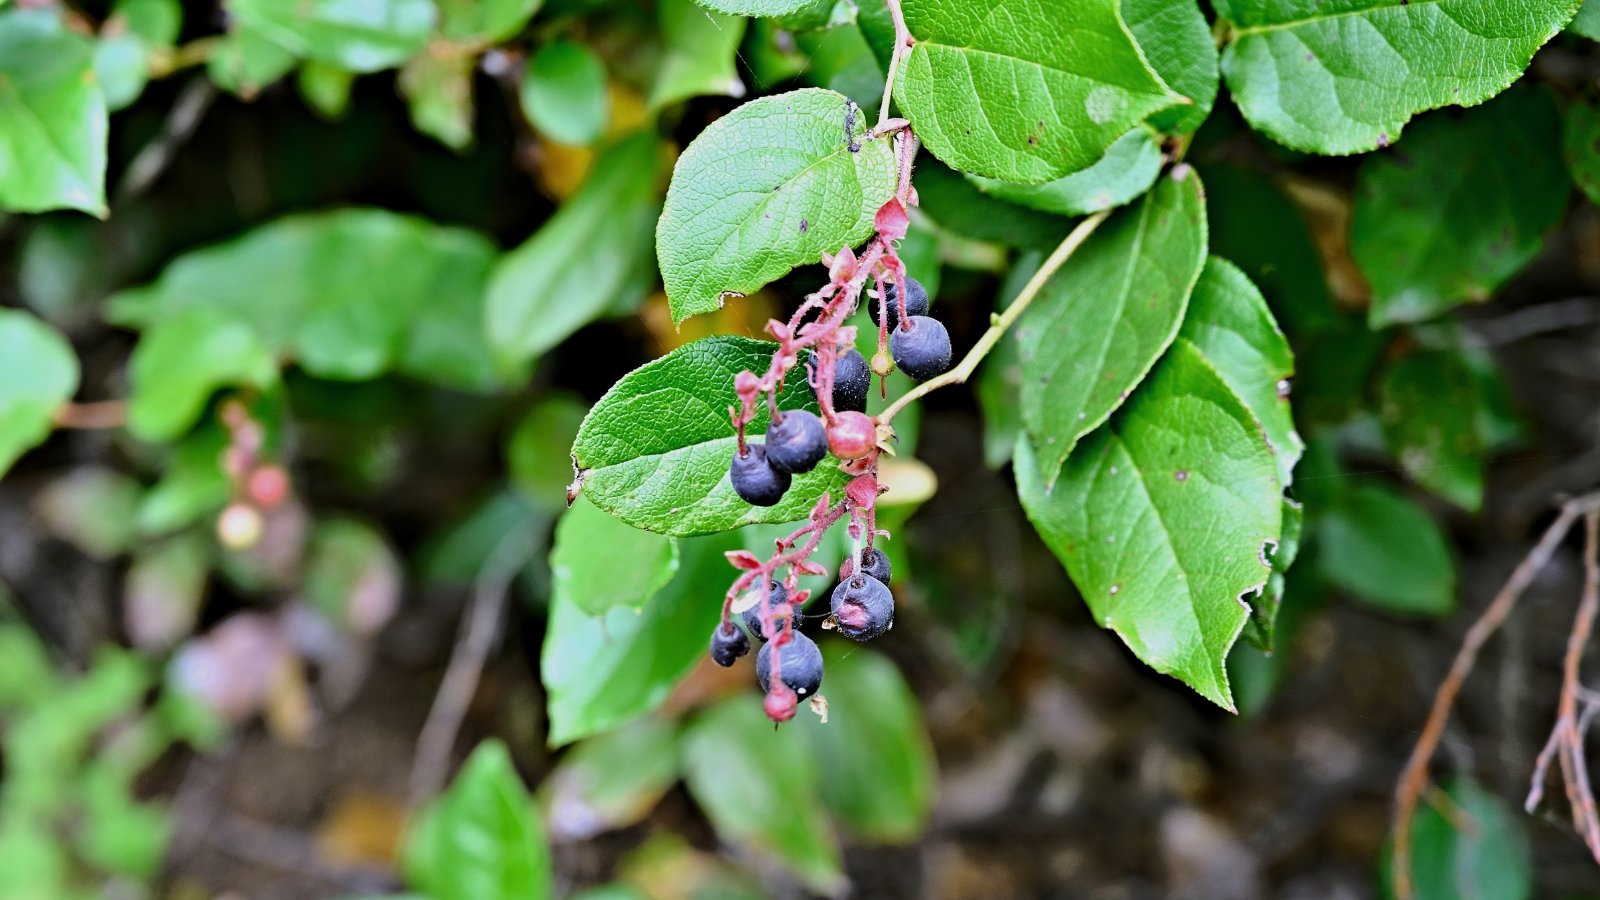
(358, 270)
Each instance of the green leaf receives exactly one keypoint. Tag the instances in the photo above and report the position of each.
(1476, 849)
(41, 376)
(244, 62)
(770, 186)
(610, 781)
(1102, 321)
(438, 89)
(603, 671)
(1164, 519)
(1459, 208)
(326, 88)
(966, 207)
(584, 569)
(1024, 91)
(757, 7)
(1580, 143)
(1346, 77)
(654, 452)
(839, 59)
(1431, 407)
(1255, 225)
(564, 93)
(359, 35)
(697, 54)
(351, 575)
(135, 30)
(884, 796)
(181, 361)
(1385, 550)
(760, 787)
(1177, 42)
(582, 259)
(484, 21)
(1229, 323)
(52, 116)
(481, 839)
(1261, 630)
(1127, 170)
(348, 294)
(192, 483)
(1587, 21)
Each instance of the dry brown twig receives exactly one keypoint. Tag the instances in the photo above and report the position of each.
(1570, 726)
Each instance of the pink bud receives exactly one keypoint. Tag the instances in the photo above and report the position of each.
(743, 559)
(891, 220)
(843, 267)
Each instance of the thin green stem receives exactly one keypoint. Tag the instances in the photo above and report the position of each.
(1002, 322)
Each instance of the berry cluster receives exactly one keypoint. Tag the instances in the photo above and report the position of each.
(789, 664)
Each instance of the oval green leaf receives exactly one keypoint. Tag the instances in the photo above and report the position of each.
(583, 563)
(52, 116)
(42, 374)
(603, 671)
(1432, 406)
(1460, 207)
(1342, 78)
(1229, 323)
(654, 452)
(1386, 551)
(1104, 319)
(359, 35)
(772, 185)
(1177, 40)
(1165, 520)
(760, 787)
(1024, 91)
(564, 93)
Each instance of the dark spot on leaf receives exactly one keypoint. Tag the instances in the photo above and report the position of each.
(1310, 57)
(1383, 139)
(1032, 141)
(804, 225)
(1182, 475)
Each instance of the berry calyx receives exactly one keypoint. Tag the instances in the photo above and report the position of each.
(754, 478)
(852, 435)
(780, 703)
(728, 643)
(799, 667)
(921, 347)
(875, 563)
(851, 380)
(916, 302)
(796, 442)
(862, 607)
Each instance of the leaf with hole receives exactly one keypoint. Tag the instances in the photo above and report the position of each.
(654, 451)
(1165, 519)
(772, 185)
(1105, 317)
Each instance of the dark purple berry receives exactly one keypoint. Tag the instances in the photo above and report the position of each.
(852, 378)
(862, 607)
(797, 442)
(875, 563)
(922, 348)
(781, 610)
(728, 643)
(800, 666)
(754, 479)
(916, 302)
